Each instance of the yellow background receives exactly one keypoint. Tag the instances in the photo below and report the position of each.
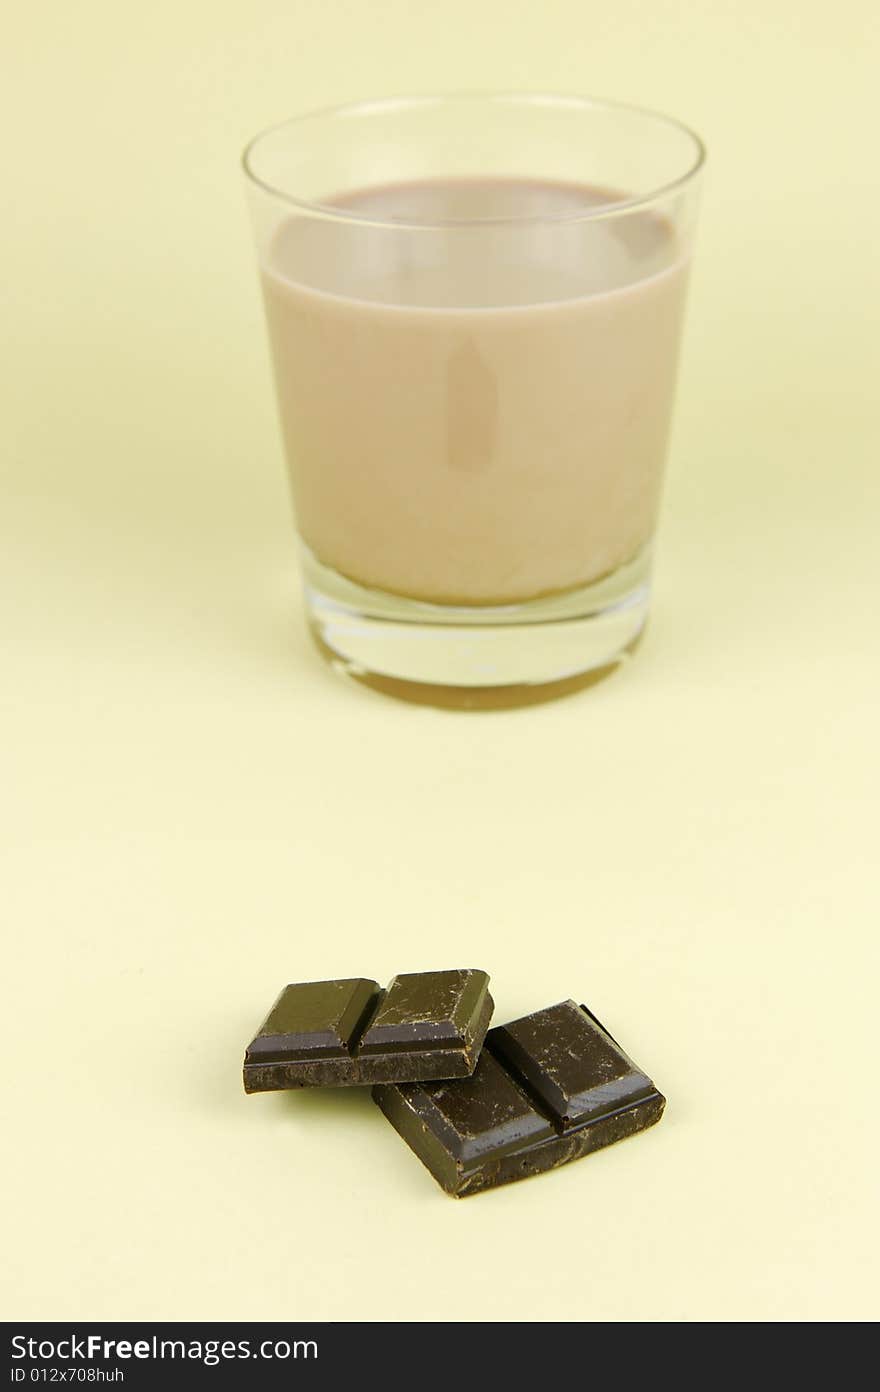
(195, 811)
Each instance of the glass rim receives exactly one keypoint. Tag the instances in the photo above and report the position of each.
(525, 98)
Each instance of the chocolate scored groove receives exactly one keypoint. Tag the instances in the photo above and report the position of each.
(426, 1025)
(548, 1088)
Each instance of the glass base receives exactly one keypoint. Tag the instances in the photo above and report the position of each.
(477, 656)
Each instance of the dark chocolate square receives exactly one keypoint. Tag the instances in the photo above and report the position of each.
(427, 1025)
(548, 1089)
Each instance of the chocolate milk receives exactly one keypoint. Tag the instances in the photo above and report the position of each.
(475, 411)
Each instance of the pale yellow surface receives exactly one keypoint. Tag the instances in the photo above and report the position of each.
(195, 811)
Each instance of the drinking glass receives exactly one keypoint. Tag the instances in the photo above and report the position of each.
(474, 305)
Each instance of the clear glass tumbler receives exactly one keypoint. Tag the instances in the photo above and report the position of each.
(474, 305)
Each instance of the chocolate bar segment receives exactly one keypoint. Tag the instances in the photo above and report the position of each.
(548, 1088)
(427, 1025)
(315, 1019)
(424, 1010)
(569, 1064)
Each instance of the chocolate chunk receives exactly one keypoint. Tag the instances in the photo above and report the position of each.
(548, 1088)
(427, 1025)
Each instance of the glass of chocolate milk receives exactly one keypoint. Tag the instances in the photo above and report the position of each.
(474, 305)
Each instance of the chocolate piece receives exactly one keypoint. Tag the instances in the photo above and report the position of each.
(427, 1025)
(548, 1088)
